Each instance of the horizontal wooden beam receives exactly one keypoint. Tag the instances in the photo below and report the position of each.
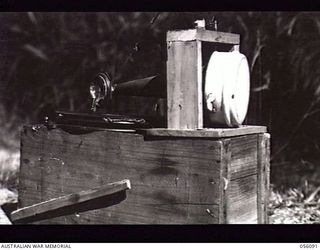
(206, 132)
(37, 210)
(203, 35)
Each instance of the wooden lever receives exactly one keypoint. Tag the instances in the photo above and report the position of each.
(106, 195)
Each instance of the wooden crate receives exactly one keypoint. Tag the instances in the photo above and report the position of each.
(178, 177)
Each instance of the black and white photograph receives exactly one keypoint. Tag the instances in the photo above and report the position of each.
(183, 118)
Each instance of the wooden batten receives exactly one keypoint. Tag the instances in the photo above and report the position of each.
(206, 132)
(203, 35)
(48, 209)
(263, 167)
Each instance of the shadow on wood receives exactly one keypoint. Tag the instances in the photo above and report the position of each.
(101, 197)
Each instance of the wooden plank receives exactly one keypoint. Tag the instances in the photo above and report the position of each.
(182, 35)
(267, 177)
(203, 35)
(173, 181)
(184, 73)
(206, 132)
(218, 37)
(224, 180)
(64, 202)
(184, 214)
(263, 177)
(244, 156)
(241, 195)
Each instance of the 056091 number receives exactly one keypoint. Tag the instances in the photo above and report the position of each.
(312, 246)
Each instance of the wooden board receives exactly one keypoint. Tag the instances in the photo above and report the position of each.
(65, 204)
(238, 188)
(241, 195)
(184, 85)
(263, 167)
(203, 35)
(173, 181)
(206, 132)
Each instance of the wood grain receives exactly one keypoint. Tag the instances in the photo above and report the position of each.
(206, 132)
(173, 181)
(203, 35)
(263, 177)
(184, 81)
(241, 195)
(64, 203)
(224, 179)
(244, 156)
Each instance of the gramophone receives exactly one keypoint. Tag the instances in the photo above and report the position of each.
(203, 88)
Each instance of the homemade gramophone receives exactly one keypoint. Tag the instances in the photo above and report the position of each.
(187, 159)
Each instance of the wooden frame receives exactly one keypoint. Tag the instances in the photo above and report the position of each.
(184, 74)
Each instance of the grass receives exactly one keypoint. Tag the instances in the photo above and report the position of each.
(9, 169)
(295, 193)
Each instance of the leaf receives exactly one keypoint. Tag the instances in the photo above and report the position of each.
(312, 195)
(32, 18)
(36, 52)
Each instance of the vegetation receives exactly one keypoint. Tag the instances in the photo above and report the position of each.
(47, 60)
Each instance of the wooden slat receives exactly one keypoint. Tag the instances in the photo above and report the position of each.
(203, 35)
(263, 177)
(241, 195)
(218, 37)
(66, 201)
(224, 179)
(173, 181)
(244, 156)
(184, 81)
(206, 132)
(267, 177)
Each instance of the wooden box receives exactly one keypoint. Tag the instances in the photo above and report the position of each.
(204, 176)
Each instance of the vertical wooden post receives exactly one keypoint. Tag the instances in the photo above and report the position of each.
(263, 177)
(184, 85)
